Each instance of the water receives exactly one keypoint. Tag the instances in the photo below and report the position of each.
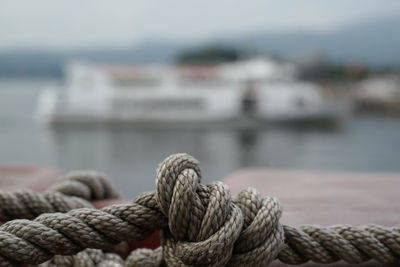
(130, 156)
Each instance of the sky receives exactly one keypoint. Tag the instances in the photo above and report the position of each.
(72, 24)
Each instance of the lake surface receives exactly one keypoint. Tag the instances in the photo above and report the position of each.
(367, 143)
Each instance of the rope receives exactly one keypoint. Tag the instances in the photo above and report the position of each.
(201, 225)
(96, 257)
(88, 257)
(73, 191)
(51, 234)
(206, 227)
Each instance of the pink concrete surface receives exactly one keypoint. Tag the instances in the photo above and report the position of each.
(14, 177)
(327, 198)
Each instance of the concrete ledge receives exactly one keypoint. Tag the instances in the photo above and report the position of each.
(14, 177)
(327, 198)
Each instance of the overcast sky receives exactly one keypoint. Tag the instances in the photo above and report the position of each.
(69, 24)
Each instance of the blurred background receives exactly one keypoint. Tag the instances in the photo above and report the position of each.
(117, 86)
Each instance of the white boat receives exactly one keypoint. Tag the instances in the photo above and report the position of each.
(244, 93)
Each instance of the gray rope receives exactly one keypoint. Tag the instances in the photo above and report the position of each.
(96, 257)
(73, 191)
(201, 225)
(36, 241)
(317, 250)
(349, 243)
(145, 257)
(87, 258)
(206, 227)
(89, 185)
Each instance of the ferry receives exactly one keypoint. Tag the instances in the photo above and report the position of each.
(244, 93)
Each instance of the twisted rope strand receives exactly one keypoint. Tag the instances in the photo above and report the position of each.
(89, 185)
(69, 193)
(326, 248)
(88, 257)
(68, 233)
(73, 191)
(349, 243)
(96, 257)
(201, 225)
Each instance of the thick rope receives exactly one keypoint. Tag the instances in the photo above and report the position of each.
(51, 234)
(73, 191)
(88, 257)
(96, 257)
(206, 227)
(201, 225)
(89, 185)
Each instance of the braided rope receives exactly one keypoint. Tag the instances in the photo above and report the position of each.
(73, 191)
(88, 257)
(201, 225)
(51, 234)
(96, 257)
(89, 185)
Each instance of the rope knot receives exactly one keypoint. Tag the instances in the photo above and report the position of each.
(203, 221)
(262, 236)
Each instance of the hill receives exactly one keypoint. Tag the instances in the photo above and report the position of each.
(374, 43)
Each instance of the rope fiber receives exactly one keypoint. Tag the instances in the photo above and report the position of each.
(201, 225)
(72, 191)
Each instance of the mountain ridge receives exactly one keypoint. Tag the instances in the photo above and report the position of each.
(374, 43)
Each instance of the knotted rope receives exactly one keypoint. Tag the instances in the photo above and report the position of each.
(206, 227)
(201, 225)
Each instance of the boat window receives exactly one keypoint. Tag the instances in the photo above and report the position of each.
(201, 83)
(159, 105)
(136, 83)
